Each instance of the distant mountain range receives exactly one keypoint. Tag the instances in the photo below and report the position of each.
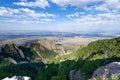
(22, 34)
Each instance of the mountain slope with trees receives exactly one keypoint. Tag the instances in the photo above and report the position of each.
(85, 61)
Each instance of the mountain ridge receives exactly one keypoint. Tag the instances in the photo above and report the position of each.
(84, 61)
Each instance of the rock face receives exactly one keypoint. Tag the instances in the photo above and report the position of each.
(111, 69)
(42, 50)
(47, 44)
(12, 53)
(11, 60)
(18, 78)
(75, 75)
(50, 45)
(20, 52)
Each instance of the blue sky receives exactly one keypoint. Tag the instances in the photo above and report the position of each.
(60, 15)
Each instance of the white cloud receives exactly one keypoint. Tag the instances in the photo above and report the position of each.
(40, 21)
(76, 14)
(38, 3)
(23, 11)
(77, 3)
(24, 0)
(109, 11)
(26, 15)
(31, 13)
(100, 15)
(96, 21)
(7, 11)
(106, 6)
(112, 4)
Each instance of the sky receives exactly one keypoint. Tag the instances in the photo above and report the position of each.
(60, 15)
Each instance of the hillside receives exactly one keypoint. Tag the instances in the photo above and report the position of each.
(42, 50)
(79, 65)
(98, 53)
(45, 50)
(12, 53)
(88, 59)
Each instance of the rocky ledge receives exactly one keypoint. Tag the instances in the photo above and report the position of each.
(109, 71)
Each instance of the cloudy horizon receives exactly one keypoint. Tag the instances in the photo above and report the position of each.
(60, 15)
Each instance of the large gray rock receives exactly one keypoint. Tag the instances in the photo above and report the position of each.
(111, 69)
(75, 75)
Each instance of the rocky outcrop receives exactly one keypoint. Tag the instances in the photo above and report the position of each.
(18, 78)
(50, 45)
(13, 54)
(19, 51)
(107, 71)
(12, 49)
(75, 75)
(47, 44)
(42, 50)
(11, 60)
